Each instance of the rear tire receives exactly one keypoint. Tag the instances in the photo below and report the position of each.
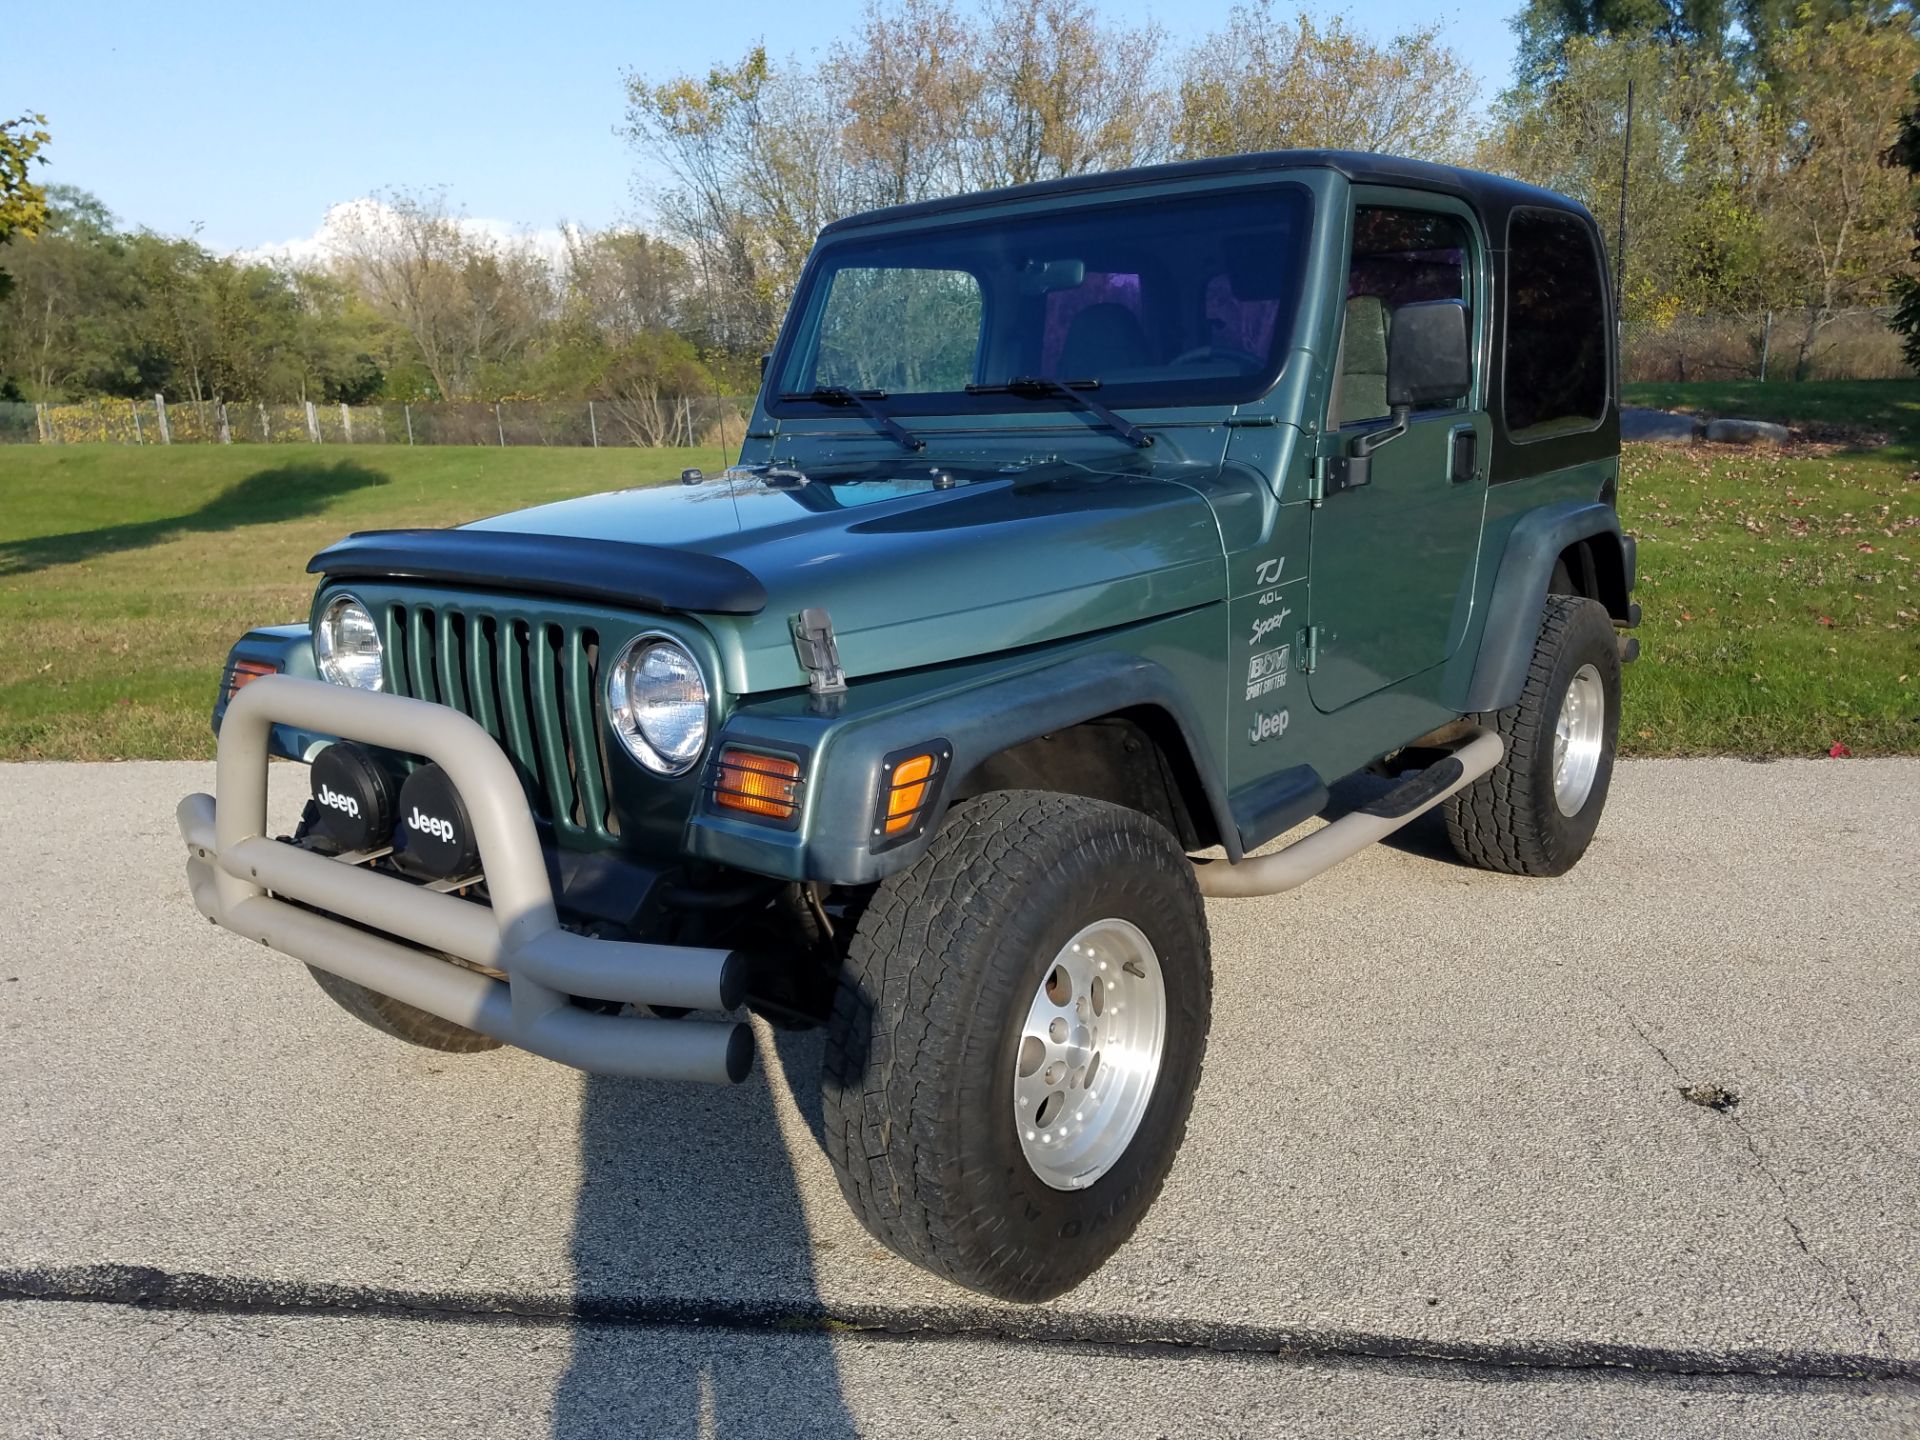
(1535, 812)
(943, 1027)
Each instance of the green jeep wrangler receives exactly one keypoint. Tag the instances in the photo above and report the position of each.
(1083, 534)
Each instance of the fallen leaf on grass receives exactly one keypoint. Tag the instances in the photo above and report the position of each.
(1839, 752)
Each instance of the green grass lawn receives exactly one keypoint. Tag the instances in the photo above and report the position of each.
(126, 572)
(1780, 589)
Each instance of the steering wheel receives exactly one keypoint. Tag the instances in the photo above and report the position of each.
(1200, 353)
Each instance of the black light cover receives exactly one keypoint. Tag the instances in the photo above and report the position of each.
(353, 796)
(433, 835)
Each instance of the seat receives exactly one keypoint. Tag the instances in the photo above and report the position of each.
(1360, 388)
(1103, 338)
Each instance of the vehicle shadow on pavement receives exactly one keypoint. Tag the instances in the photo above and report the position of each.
(688, 1191)
(286, 492)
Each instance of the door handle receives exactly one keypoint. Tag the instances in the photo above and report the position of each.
(1463, 454)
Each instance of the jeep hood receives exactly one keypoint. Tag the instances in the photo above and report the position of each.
(913, 574)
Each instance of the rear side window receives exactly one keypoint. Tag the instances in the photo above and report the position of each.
(1556, 364)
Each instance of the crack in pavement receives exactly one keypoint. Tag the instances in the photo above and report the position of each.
(143, 1287)
(1840, 1277)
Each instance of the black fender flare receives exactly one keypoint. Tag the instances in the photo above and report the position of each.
(1519, 593)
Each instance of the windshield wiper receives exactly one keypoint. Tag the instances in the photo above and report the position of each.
(1040, 387)
(862, 400)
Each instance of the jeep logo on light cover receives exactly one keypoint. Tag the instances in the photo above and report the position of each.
(433, 825)
(334, 800)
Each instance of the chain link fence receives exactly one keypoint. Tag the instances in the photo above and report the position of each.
(1763, 345)
(716, 421)
(1757, 345)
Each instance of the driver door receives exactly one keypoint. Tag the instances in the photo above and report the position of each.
(1393, 559)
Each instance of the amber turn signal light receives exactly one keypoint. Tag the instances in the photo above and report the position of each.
(245, 672)
(907, 792)
(910, 782)
(766, 785)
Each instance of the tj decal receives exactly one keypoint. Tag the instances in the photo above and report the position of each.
(1267, 572)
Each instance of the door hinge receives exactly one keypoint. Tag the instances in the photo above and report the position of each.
(1333, 473)
(1309, 645)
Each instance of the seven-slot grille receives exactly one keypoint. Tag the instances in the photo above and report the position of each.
(535, 687)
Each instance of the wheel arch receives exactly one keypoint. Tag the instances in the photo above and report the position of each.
(1078, 726)
(1585, 537)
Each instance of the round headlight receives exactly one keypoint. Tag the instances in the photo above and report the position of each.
(657, 704)
(346, 646)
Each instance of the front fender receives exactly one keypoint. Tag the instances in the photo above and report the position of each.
(288, 649)
(844, 755)
(1519, 594)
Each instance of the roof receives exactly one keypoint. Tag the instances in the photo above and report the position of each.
(1489, 194)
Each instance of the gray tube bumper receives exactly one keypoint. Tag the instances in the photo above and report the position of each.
(243, 879)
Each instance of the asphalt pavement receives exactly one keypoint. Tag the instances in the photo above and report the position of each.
(1441, 1175)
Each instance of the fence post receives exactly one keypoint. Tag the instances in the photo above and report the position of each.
(160, 411)
(346, 421)
(498, 428)
(593, 425)
(266, 431)
(139, 435)
(226, 430)
(313, 424)
(409, 413)
(1766, 345)
(40, 421)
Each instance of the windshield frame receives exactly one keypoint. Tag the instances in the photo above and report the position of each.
(1219, 392)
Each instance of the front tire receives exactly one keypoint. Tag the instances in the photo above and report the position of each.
(1535, 812)
(1016, 1041)
(403, 1022)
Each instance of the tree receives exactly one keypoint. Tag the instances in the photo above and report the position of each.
(23, 204)
(1264, 84)
(467, 305)
(67, 327)
(1905, 153)
(1692, 211)
(1834, 208)
(1062, 92)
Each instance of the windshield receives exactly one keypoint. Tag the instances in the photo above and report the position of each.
(1170, 301)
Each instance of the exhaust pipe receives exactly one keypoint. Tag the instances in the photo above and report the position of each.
(1287, 869)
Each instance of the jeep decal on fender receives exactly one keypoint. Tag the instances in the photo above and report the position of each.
(1268, 727)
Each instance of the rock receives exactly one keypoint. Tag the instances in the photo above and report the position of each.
(1746, 432)
(1657, 426)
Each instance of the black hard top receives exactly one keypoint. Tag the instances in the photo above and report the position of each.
(1491, 195)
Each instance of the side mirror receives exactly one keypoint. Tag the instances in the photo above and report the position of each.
(1427, 359)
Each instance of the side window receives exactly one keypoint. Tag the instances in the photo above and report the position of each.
(899, 329)
(1556, 362)
(1399, 257)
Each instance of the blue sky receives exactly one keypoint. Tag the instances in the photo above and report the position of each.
(250, 120)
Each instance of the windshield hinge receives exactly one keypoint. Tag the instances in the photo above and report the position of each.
(1242, 422)
(819, 655)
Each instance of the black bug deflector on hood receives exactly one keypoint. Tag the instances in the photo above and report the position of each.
(619, 572)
